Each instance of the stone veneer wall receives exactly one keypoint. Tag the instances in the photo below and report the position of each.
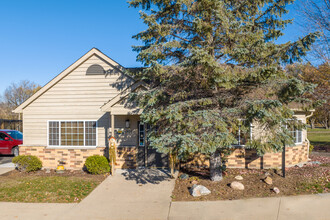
(246, 158)
(75, 158)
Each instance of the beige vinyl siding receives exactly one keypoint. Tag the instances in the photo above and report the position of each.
(129, 136)
(76, 97)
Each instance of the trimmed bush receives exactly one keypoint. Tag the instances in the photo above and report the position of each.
(27, 163)
(97, 164)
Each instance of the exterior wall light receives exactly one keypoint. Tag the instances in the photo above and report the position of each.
(127, 125)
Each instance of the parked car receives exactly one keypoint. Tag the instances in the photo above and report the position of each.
(9, 141)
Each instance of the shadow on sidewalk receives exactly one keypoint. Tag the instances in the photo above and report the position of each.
(144, 176)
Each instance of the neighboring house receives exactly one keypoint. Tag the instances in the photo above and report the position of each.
(73, 115)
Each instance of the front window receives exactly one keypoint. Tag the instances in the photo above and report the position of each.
(72, 133)
(297, 135)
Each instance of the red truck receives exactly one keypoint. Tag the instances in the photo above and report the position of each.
(9, 141)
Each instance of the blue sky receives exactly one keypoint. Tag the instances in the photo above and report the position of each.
(41, 38)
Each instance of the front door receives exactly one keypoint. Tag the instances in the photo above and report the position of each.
(147, 156)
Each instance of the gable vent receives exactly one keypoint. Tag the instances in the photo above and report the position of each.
(95, 70)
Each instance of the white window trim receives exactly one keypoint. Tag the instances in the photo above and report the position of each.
(70, 147)
(239, 136)
(296, 131)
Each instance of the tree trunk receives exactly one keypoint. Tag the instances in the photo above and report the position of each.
(215, 166)
(312, 120)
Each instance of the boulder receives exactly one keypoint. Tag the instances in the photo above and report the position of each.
(268, 180)
(238, 177)
(276, 190)
(237, 185)
(184, 176)
(199, 190)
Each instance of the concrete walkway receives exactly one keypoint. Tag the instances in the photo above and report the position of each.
(132, 194)
(4, 168)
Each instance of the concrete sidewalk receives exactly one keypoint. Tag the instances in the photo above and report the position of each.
(276, 208)
(145, 194)
(35, 211)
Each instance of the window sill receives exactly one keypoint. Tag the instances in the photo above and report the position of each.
(71, 147)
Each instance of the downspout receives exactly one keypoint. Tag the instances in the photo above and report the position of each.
(308, 142)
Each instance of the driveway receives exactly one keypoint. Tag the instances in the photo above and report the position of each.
(5, 159)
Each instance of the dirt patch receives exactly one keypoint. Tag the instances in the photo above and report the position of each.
(322, 148)
(312, 178)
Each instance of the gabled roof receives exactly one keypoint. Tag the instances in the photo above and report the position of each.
(122, 95)
(63, 74)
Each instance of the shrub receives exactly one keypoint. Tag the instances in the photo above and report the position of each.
(97, 164)
(27, 163)
(311, 147)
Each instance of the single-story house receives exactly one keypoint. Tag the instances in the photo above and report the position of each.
(74, 114)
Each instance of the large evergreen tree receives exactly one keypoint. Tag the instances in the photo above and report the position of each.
(213, 67)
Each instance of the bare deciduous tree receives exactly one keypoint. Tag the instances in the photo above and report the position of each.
(315, 16)
(15, 95)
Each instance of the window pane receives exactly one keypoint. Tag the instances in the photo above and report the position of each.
(90, 133)
(243, 135)
(53, 133)
(299, 136)
(141, 134)
(72, 133)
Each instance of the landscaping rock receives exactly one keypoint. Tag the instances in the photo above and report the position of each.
(268, 180)
(47, 171)
(267, 174)
(194, 182)
(199, 190)
(238, 177)
(237, 185)
(276, 190)
(184, 176)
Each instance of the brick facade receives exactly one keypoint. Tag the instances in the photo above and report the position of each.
(127, 157)
(75, 158)
(246, 158)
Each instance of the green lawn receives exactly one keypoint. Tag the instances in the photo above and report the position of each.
(45, 189)
(319, 136)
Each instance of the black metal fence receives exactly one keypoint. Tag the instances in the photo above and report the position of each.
(11, 124)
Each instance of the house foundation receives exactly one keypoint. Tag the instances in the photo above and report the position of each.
(248, 158)
(127, 157)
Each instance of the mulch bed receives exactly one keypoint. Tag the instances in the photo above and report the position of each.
(312, 178)
(322, 148)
